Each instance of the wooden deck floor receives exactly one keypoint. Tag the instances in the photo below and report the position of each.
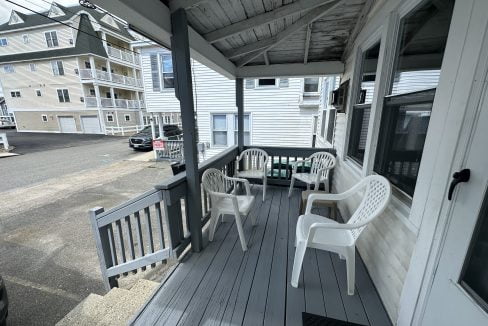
(222, 285)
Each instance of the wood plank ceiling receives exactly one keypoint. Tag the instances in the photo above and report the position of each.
(263, 32)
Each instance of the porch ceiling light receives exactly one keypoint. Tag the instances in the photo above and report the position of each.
(87, 4)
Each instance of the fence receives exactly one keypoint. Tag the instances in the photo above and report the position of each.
(123, 130)
(4, 141)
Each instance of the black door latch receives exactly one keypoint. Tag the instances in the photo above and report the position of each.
(458, 177)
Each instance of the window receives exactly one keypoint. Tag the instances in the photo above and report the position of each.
(15, 94)
(44, 118)
(219, 129)
(51, 39)
(156, 84)
(331, 125)
(266, 82)
(311, 85)
(406, 111)
(110, 118)
(38, 92)
(25, 38)
(127, 117)
(247, 130)
(8, 69)
(322, 125)
(362, 105)
(3, 41)
(57, 66)
(92, 92)
(32, 67)
(87, 65)
(167, 71)
(63, 95)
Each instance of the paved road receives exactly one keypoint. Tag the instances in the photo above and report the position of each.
(48, 156)
(47, 252)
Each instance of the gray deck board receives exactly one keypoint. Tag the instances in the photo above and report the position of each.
(222, 285)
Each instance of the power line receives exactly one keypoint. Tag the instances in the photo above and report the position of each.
(67, 25)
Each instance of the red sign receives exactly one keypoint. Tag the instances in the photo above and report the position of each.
(158, 145)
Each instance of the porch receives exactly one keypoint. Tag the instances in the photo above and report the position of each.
(224, 285)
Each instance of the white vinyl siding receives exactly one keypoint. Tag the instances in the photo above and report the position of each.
(156, 84)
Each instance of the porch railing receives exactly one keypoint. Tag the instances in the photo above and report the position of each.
(125, 235)
(88, 74)
(173, 150)
(123, 55)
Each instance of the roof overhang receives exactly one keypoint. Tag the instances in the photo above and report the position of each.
(153, 20)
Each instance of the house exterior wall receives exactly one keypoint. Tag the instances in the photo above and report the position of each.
(276, 118)
(32, 120)
(37, 39)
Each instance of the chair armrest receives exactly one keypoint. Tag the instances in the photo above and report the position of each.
(245, 181)
(331, 197)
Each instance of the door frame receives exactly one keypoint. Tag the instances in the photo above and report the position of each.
(90, 116)
(457, 101)
(67, 116)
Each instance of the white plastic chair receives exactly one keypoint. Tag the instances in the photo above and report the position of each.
(254, 166)
(322, 163)
(318, 232)
(214, 183)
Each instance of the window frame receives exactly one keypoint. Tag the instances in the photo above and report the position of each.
(25, 38)
(53, 40)
(162, 72)
(6, 41)
(56, 69)
(331, 128)
(276, 84)
(127, 116)
(15, 94)
(235, 128)
(8, 71)
(319, 83)
(44, 118)
(111, 116)
(226, 130)
(63, 95)
(38, 92)
(32, 67)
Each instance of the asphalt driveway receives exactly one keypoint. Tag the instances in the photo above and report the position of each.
(47, 252)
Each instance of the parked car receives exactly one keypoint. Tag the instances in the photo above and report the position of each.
(3, 303)
(143, 139)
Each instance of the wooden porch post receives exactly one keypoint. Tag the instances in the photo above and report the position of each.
(240, 112)
(184, 92)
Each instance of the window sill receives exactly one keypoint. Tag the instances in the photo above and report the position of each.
(354, 167)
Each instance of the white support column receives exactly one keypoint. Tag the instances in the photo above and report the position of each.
(100, 110)
(161, 125)
(92, 67)
(112, 96)
(141, 115)
(153, 132)
(104, 40)
(109, 69)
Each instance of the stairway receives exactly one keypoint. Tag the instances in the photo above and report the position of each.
(115, 308)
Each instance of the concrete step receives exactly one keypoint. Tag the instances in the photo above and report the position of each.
(117, 307)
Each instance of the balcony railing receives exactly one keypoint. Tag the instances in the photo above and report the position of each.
(123, 55)
(164, 208)
(91, 102)
(87, 74)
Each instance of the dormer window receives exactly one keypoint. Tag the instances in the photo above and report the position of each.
(55, 11)
(108, 19)
(15, 18)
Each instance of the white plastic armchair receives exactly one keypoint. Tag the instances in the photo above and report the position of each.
(253, 166)
(214, 183)
(322, 163)
(319, 232)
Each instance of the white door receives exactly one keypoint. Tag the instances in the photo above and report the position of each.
(67, 124)
(90, 124)
(459, 294)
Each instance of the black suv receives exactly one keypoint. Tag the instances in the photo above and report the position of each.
(143, 139)
(3, 303)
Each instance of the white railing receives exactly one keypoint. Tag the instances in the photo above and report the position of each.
(87, 74)
(91, 102)
(123, 130)
(106, 102)
(121, 103)
(123, 55)
(4, 141)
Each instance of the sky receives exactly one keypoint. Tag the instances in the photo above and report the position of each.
(37, 5)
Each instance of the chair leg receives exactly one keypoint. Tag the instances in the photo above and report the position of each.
(292, 181)
(214, 218)
(240, 230)
(351, 269)
(297, 263)
(265, 183)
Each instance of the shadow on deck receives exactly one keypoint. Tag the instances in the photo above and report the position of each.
(222, 285)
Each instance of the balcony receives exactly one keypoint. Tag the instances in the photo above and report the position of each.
(89, 74)
(222, 284)
(91, 102)
(122, 55)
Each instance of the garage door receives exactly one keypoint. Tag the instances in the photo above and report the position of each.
(91, 125)
(67, 124)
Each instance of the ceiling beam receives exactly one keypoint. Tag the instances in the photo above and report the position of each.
(261, 19)
(153, 18)
(266, 58)
(360, 22)
(307, 43)
(308, 18)
(324, 68)
(185, 4)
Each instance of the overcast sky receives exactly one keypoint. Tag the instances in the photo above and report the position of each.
(37, 5)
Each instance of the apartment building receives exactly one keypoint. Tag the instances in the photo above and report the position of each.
(278, 111)
(70, 70)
